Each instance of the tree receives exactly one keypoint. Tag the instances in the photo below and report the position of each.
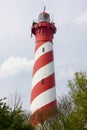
(12, 119)
(78, 93)
(4, 112)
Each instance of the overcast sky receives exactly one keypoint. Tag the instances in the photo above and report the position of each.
(17, 46)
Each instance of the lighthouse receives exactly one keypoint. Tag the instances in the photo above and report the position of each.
(43, 102)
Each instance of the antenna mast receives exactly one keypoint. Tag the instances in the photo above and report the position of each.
(44, 8)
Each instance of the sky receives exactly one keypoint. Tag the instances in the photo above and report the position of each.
(17, 46)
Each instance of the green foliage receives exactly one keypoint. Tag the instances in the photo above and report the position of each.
(78, 93)
(12, 119)
(4, 115)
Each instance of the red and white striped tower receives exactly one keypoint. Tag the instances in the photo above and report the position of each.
(43, 92)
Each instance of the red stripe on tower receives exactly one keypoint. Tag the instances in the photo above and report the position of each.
(43, 91)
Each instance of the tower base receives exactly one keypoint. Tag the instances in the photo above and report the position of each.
(43, 114)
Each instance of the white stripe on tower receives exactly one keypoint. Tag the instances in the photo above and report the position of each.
(37, 103)
(43, 92)
(42, 73)
(48, 47)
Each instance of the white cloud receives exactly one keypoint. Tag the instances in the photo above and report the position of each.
(14, 65)
(81, 19)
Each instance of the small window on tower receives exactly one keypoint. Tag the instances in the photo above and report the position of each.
(43, 49)
(42, 81)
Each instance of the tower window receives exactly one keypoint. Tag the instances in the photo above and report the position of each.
(43, 49)
(42, 81)
(43, 31)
